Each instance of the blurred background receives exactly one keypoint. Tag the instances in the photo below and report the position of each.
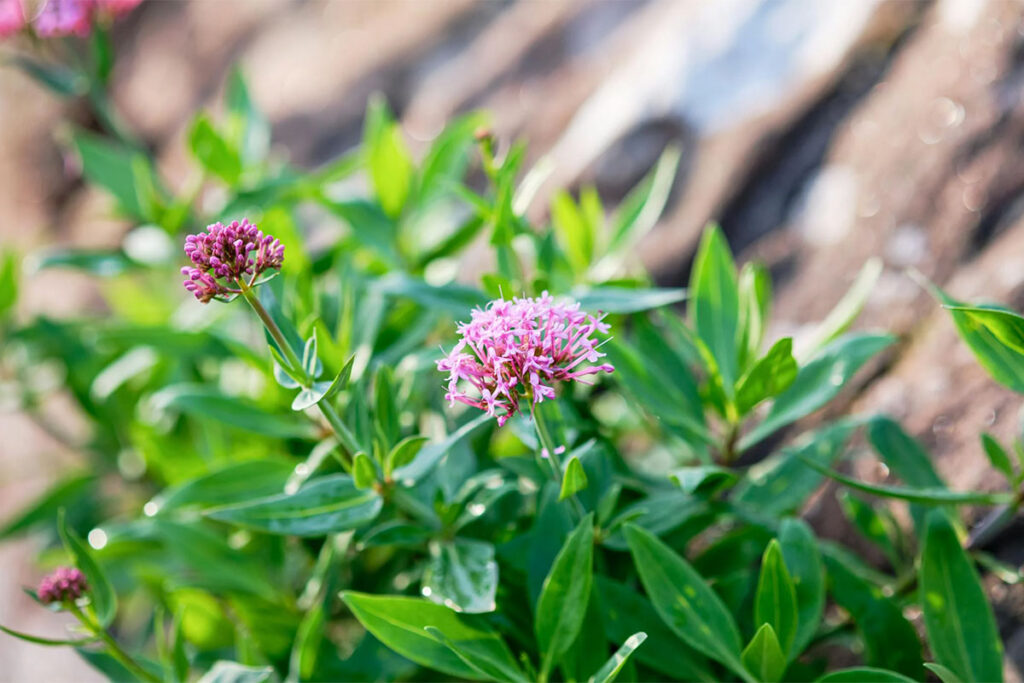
(818, 132)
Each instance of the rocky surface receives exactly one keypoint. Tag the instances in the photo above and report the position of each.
(818, 134)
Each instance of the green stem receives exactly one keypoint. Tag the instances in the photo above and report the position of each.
(115, 650)
(345, 436)
(548, 444)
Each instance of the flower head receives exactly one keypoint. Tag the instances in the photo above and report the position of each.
(65, 584)
(522, 348)
(64, 18)
(12, 17)
(226, 255)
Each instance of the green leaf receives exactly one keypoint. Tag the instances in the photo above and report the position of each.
(575, 479)
(958, 619)
(770, 376)
(101, 593)
(50, 642)
(327, 505)
(9, 279)
(782, 483)
(400, 623)
(307, 398)
(714, 291)
(1003, 362)
(845, 312)
(684, 601)
(624, 610)
(232, 672)
(481, 659)
(385, 405)
(997, 456)
(123, 172)
(448, 156)
(213, 151)
(818, 382)
(462, 574)
(872, 525)
(864, 674)
(800, 552)
(432, 453)
(574, 231)
(62, 494)
(763, 656)
(610, 299)
(889, 639)
(98, 262)
(453, 297)
(642, 207)
(914, 495)
(906, 458)
(391, 167)
(206, 403)
(1005, 325)
(943, 673)
(251, 128)
(403, 453)
(608, 672)
(233, 483)
(755, 294)
(60, 80)
(703, 480)
(364, 472)
(564, 595)
(775, 602)
(660, 513)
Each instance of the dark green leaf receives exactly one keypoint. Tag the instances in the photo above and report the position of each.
(102, 263)
(203, 402)
(943, 673)
(462, 574)
(703, 480)
(400, 623)
(684, 601)
(914, 495)
(490, 662)
(564, 595)
(763, 656)
(123, 172)
(324, 506)
(432, 453)
(803, 560)
(997, 456)
(624, 610)
(906, 458)
(872, 525)
(46, 641)
(229, 484)
(889, 640)
(59, 79)
(818, 382)
(961, 628)
(403, 453)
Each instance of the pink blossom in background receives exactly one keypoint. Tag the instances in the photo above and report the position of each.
(519, 348)
(223, 256)
(12, 17)
(117, 8)
(65, 584)
(57, 18)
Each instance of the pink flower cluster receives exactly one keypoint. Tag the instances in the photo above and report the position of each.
(519, 348)
(55, 18)
(224, 256)
(65, 584)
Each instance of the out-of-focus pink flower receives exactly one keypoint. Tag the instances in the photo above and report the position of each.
(65, 584)
(224, 256)
(116, 8)
(519, 348)
(12, 17)
(58, 18)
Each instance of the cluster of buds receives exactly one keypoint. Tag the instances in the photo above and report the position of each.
(229, 255)
(55, 18)
(521, 348)
(65, 584)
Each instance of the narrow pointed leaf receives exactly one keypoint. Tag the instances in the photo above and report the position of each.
(608, 672)
(775, 601)
(763, 656)
(101, 592)
(803, 560)
(575, 479)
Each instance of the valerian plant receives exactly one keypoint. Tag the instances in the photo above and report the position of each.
(382, 467)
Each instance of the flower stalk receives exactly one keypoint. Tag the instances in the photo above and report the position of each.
(126, 660)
